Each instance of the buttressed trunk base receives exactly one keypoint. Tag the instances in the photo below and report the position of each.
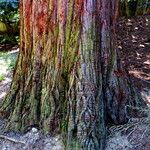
(68, 77)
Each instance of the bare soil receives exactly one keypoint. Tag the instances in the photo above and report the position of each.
(133, 36)
(134, 45)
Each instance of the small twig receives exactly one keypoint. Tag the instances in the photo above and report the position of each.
(11, 139)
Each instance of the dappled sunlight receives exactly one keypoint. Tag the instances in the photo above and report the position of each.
(129, 22)
(134, 45)
(7, 80)
(7, 64)
(5, 85)
(141, 45)
(147, 62)
(147, 43)
(147, 22)
(82, 75)
(2, 95)
(134, 37)
(140, 74)
(14, 51)
(145, 93)
(7, 60)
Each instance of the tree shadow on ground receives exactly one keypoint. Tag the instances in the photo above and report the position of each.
(134, 45)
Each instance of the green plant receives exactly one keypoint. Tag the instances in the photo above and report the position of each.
(9, 21)
(2, 77)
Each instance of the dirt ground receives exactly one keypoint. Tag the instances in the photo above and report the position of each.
(134, 45)
(133, 37)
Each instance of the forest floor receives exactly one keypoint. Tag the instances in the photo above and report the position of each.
(8, 56)
(134, 46)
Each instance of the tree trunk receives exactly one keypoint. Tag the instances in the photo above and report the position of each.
(127, 8)
(143, 7)
(68, 78)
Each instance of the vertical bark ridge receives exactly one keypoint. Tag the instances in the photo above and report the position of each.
(90, 118)
(68, 73)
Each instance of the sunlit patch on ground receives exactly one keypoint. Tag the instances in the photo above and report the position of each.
(145, 93)
(5, 85)
(134, 45)
(7, 61)
(2, 95)
(140, 74)
(7, 64)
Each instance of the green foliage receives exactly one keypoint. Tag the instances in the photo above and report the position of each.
(2, 77)
(9, 21)
(3, 27)
(9, 11)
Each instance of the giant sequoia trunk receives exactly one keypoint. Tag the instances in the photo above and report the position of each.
(68, 77)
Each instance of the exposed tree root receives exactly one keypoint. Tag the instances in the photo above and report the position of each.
(12, 140)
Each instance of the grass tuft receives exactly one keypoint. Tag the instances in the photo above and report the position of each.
(7, 63)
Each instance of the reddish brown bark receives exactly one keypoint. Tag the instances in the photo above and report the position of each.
(68, 79)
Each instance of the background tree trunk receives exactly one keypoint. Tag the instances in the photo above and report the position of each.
(127, 8)
(68, 77)
(143, 7)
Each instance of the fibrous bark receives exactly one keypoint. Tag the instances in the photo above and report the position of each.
(68, 77)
